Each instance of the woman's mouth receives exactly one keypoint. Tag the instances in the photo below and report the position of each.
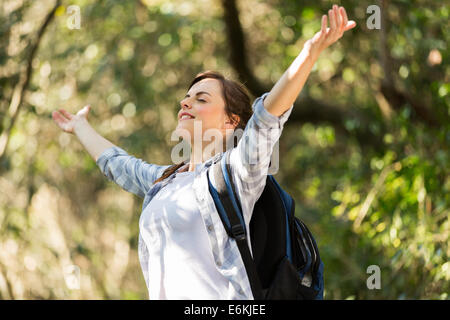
(186, 117)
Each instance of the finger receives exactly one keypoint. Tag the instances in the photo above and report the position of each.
(323, 28)
(344, 17)
(58, 117)
(66, 114)
(332, 20)
(85, 110)
(350, 25)
(338, 18)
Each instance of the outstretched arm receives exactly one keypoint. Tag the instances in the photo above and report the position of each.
(78, 125)
(289, 86)
(132, 174)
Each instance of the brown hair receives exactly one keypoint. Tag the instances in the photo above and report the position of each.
(237, 102)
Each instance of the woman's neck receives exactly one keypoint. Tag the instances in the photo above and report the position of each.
(200, 155)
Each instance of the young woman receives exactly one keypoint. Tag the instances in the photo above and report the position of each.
(184, 250)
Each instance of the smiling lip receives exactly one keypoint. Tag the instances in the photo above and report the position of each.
(186, 114)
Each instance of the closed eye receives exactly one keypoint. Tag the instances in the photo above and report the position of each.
(201, 100)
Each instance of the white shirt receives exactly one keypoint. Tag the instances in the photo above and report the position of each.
(137, 176)
(181, 263)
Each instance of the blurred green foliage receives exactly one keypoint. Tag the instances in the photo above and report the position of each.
(133, 60)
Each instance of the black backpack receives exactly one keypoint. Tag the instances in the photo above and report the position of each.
(286, 263)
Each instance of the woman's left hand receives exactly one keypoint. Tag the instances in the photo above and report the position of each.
(288, 87)
(339, 23)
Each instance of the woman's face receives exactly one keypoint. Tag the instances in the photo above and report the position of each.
(204, 107)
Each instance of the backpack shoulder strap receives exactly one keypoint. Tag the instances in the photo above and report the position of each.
(230, 212)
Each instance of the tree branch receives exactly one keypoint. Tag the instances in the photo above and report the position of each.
(238, 51)
(395, 97)
(22, 85)
(318, 112)
(305, 110)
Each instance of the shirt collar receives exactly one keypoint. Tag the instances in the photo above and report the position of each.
(199, 167)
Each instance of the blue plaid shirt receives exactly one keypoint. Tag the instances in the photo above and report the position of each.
(249, 162)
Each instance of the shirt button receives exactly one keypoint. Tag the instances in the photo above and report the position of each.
(210, 227)
(218, 263)
(241, 292)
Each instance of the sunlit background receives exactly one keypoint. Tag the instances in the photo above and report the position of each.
(365, 153)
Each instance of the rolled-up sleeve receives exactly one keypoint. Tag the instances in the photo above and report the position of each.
(251, 157)
(132, 174)
(264, 119)
(250, 160)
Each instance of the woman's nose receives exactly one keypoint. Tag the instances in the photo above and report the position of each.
(184, 104)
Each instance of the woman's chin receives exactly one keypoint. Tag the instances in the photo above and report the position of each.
(183, 131)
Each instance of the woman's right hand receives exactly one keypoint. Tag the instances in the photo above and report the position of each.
(67, 121)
